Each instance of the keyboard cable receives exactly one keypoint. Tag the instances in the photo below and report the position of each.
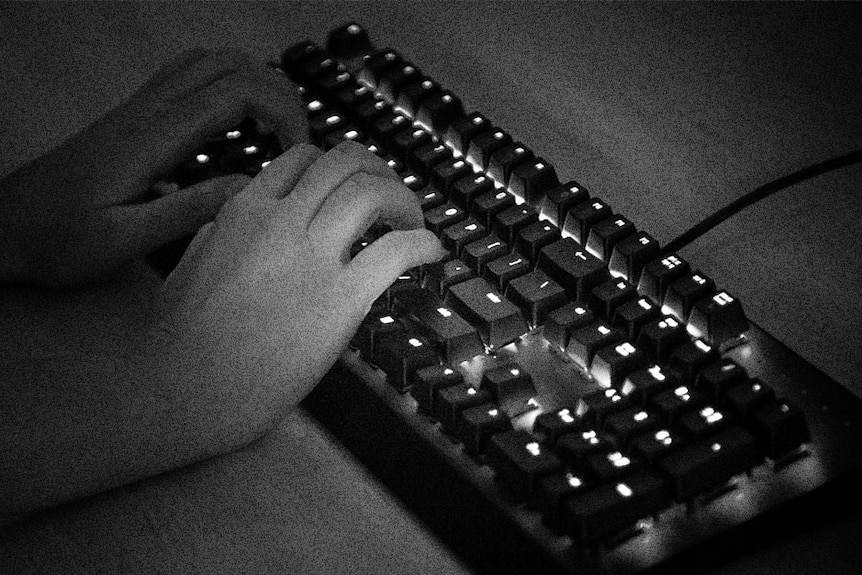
(758, 194)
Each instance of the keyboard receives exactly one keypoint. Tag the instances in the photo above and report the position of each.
(559, 394)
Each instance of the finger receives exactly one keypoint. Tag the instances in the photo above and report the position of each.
(282, 174)
(327, 173)
(378, 265)
(174, 65)
(202, 72)
(184, 272)
(355, 205)
(144, 227)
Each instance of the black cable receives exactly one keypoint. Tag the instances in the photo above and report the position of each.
(758, 194)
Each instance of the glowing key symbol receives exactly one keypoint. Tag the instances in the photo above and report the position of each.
(656, 373)
(644, 304)
(414, 342)
(618, 459)
(625, 349)
(604, 330)
(493, 297)
(202, 158)
(250, 149)
(451, 211)
(333, 119)
(624, 490)
(573, 480)
(533, 448)
(710, 415)
(664, 437)
(566, 416)
(448, 371)
(581, 255)
(351, 135)
(387, 319)
(702, 345)
(722, 298)
(515, 371)
(444, 312)
(494, 412)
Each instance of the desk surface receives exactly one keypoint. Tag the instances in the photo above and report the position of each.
(666, 111)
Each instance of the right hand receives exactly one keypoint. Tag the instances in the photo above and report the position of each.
(267, 295)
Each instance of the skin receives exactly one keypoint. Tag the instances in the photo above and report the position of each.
(259, 308)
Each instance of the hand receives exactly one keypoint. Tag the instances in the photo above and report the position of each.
(267, 297)
(79, 212)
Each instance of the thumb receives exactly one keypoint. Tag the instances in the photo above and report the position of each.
(144, 227)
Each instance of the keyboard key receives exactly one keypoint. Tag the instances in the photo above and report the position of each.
(532, 238)
(483, 251)
(518, 461)
(661, 336)
(746, 398)
(510, 387)
(704, 421)
(408, 139)
(605, 234)
(486, 206)
(460, 133)
(477, 425)
(393, 79)
(600, 403)
(439, 110)
(454, 338)
(501, 271)
(424, 158)
(586, 341)
(654, 445)
(553, 490)
(718, 318)
(597, 514)
(351, 96)
(682, 293)
(610, 466)
(552, 425)
(646, 382)
(349, 132)
(510, 221)
(447, 172)
(504, 160)
(376, 64)
(718, 377)
(348, 42)
(659, 274)
(782, 429)
(387, 125)
(612, 363)
(632, 315)
(430, 198)
(439, 218)
(450, 402)
(605, 298)
(321, 125)
(575, 448)
(401, 352)
(440, 276)
(582, 217)
(498, 320)
(335, 80)
(536, 294)
(294, 56)
(426, 381)
(674, 402)
(468, 188)
(377, 322)
(483, 146)
(631, 254)
(690, 358)
(572, 267)
(413, 94)
(456, 236)
(708, 463)
(557, 202)
(562, 321)
(532, 179)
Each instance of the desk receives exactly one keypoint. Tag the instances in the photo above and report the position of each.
(666, 111)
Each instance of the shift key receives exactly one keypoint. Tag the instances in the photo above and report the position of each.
(499, 321)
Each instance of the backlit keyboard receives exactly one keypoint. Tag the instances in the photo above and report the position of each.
(558, 394)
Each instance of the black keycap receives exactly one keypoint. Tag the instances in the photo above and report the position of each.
(451, 401)
(562, 321)
(597, 514)
(510, 221)
(661, 336)
(572, 267)
(718, 377)
(427, 380)
(375, 323)
(654, 445)
(631, 316)
(704, 421)
(718, 318)
(439, 218)
(584, 216)
(518, 461)
(501, 271)
(604, 235)
(439, 110)
(659, 274)
(349, 132)
(408, 139)
(349, 97)
(468, 188)
(646, 382)
(454, 338)
(532, 238)
(631, 254)
(412, 180)
(444, 174)
(552, 425)
(672, 403)
(310, 71)
(584, 342)
(536, 294)
(553, 490)
(387, 125)
(393, 79)
(348, 41)
(682, 293)
(510, 387)
(401, 352)
(486, 206)
(531, 180)
(747, 397)
(504, 160)
(430, 198)
(413, 94)
(498, 320)
(477, 425)
(294, 56)
(440, 276)
(609, 466)
(322, 124)
(612, 363)
(600, 403)
(574, 448)
(457, 236)
(483, 251)
(607, 297)
(463, 130)
(335, 80)
(782, 429)
(375, 64)
(483, 146)
(690, 358)
(557, 202)
(709, 463)
(369, 111)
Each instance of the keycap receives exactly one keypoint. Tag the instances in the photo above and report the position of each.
(424, 158)
(704, 421)
(334, 80)
(478, 424)
(348, 41)
(451, 401)
(486, 206)
(532, 179)
(583, 216)
(309, 71)
(510, 387)
(561, 322)
(584, 342)
(440, 276)
(447, 172)
(408, 139)
(632, 315)
(709, 463)
(399, 353)
(439, 218)
(463, 130)
(376, 63)
(687, 360)
(501, 271)
(682, 293)
(454, 338)
(483, 251)
(574, 448)
(661, 336)
(297, 54)
(659, 274)
(607, 297)
(456, 236)
(718, 318)
(782, 429)
(376, 322)
(483, 146)
(412, 180)
(510, 221)
(439, 110)
(610, 466)
(498, 320)
(572, 267)
(369, 111)
(747, 397)
(413, 94)
(605, 234)
(654, 445)
(536, 294)
(518, 461)
(319, 126)
(552, 425)
(600, 403)
(427, 380)
(646, 382)
(349, 97)
(348, 132)
(504, 160)
(556, 203)
(532, 238)
(393, 79)
(430, 198)
(387, 125)
(553, 490)
(468, 188)
(714, 380)
(631, 254)
(672, 403)
(613, 362)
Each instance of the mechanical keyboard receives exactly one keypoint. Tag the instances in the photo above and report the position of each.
(559, 395)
